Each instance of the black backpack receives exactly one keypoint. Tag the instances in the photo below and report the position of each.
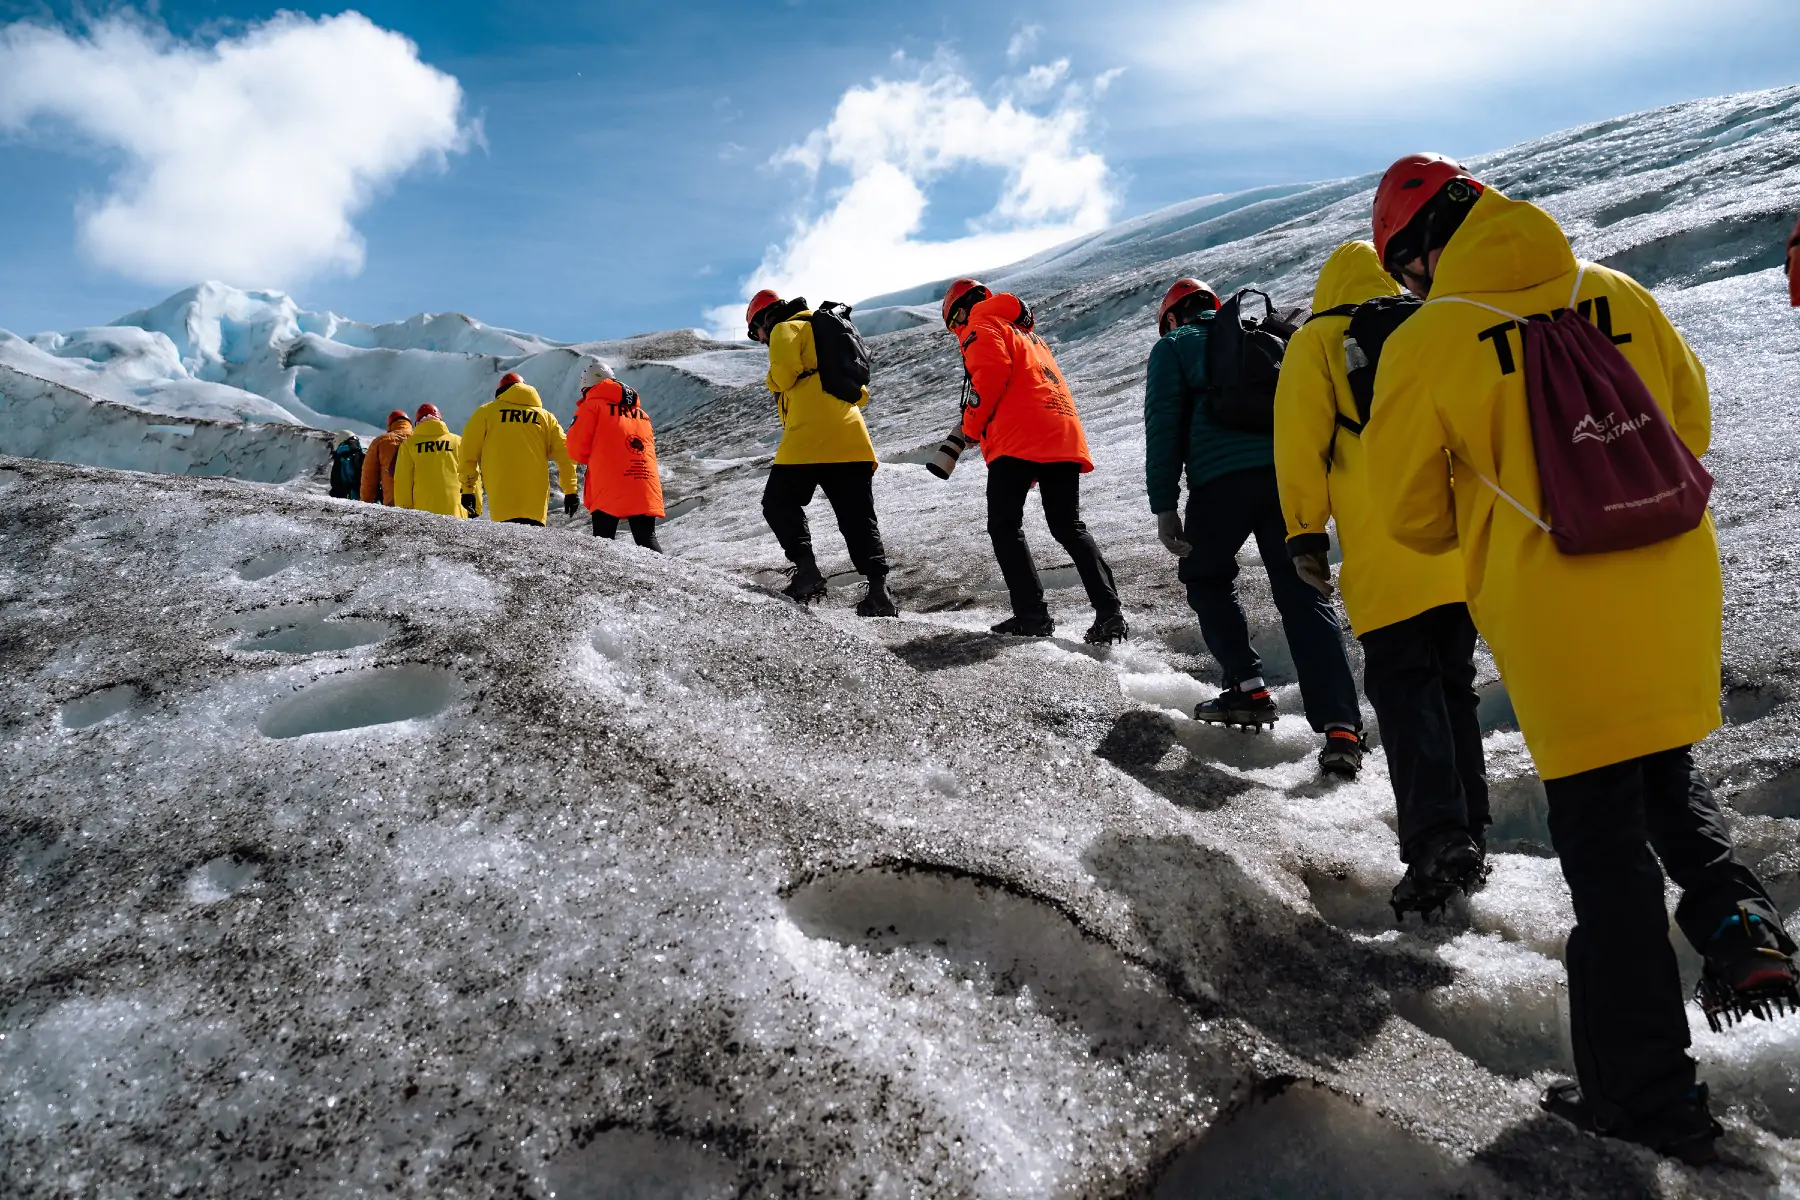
(843, 355)
(1243, 365)
(346, 468)
(1371, 324)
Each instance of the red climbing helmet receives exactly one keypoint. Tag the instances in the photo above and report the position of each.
(957, 292)
(1406, 188)
(509, 380)
(1180, 290)
(398, 415)
(427, 412)
(759, 302)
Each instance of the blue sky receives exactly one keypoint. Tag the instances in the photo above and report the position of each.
(618, 168)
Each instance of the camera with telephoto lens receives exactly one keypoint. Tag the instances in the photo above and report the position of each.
(944, 459)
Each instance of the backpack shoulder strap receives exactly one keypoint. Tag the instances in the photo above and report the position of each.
(1342, 310)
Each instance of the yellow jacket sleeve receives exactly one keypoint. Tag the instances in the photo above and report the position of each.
(559, 450)
(468, 455)
(1305, 422)
(1690, 406)
(787, 355)
(403, 476)
(1404, 441)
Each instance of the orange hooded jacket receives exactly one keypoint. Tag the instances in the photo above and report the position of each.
(1793, 266)
(378, 463)
(612, 435)
(1019, 407)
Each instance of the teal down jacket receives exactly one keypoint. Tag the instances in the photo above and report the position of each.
(1174, 403)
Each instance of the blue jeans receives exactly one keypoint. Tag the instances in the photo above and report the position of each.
(1222, 514)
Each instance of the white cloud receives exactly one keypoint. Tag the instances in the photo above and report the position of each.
(245, 160)
(1327, 59)
(895, 139)
(1023, 42)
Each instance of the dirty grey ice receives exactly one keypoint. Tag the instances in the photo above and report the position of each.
(358, 852)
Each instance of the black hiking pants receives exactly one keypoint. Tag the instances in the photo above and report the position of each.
(849, 486)
(1008, 484)
(532, 521)
(1626, 1008)
(643, 529)
(1222, 514)
(1420, 676)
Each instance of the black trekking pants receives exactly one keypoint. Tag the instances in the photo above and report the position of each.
(1222, 514)
(1419, 674)
(1626, 1009)
(532, 521)
(643, 529)
(849, 486)
(1009, 482)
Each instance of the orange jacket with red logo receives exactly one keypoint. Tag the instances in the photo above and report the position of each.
(616, 442)
(1020, 406)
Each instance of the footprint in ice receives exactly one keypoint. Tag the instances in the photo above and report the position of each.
(269, 562)
(627, 1164)
(357, 699)
(316, 636)
(1298, 1139)
(1747, 703)
(101, 705)
(1776, 796)
(1001, 938)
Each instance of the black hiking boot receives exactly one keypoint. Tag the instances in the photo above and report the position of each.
(1343, 752)
(1240, 709)
(1452, 862)
(1107, 630)
(1684, 1130)
(806, 584)
(1749, 972)
(877, 601)
(1025, 627)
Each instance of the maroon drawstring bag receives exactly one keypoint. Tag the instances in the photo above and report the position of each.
(1614, 474)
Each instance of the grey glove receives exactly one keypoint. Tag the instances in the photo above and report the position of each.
(571, 502)
(469, 505)
(1168, 532)
(1315, 571)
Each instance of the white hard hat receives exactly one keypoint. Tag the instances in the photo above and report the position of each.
(594, 372)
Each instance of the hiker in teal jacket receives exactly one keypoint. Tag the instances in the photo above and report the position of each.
(1232, 497)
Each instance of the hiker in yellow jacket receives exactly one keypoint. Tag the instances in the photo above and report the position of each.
(506, 444)
(824, 445)
(1405, 607)
(1612, 659)
(426, 471)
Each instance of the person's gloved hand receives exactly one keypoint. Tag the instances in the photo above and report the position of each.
(1315, 571)
(1168, 532)
(469, 505)
(571, 502)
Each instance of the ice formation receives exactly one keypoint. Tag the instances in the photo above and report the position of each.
(351, 851)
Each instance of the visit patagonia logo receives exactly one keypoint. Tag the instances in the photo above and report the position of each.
(1591, 429)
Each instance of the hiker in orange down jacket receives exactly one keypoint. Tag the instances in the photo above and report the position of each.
(613, 438)
(1611, 657)
(378, 463)
(1793, 266)
(1019, 409)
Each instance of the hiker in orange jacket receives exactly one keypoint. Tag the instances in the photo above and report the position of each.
(613, 437)
(1019, 408)
(1793, 266)
(378, 463)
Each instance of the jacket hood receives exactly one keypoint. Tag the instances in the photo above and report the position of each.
(1352, 275)
(520, 395)
(432, 428)
(400, 425)
(1004, 305)
(1503, 246)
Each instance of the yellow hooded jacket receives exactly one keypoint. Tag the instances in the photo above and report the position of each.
(506, 444)
(816, 427)
(1607, 657)
(426, 475)
(1383, 581)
